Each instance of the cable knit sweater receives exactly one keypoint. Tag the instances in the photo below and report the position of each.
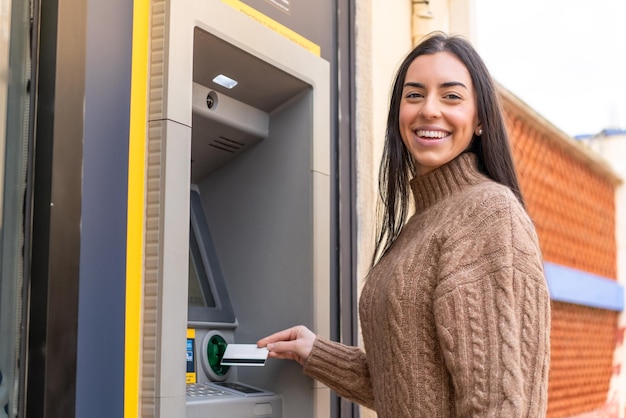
(456, 316)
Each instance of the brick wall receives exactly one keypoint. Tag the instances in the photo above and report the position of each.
(573, 206)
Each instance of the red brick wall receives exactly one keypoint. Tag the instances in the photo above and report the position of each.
(573, 207)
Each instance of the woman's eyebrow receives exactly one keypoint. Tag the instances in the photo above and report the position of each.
(442, 85)
(453, 84)
(413, 84)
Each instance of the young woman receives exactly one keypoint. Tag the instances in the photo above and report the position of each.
(455, 311)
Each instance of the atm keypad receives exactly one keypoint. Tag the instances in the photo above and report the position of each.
(196, 390)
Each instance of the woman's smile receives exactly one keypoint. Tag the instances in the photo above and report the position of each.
(431, 137)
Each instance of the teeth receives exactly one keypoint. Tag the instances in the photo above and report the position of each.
(431, 134)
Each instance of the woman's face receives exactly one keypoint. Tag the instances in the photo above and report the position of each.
(438, 114)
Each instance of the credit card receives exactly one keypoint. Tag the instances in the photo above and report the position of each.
(244, 355)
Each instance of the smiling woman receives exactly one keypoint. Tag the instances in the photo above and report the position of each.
(455, 311)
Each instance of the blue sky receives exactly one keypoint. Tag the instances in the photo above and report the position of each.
(565, 58)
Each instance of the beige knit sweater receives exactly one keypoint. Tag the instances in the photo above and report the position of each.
(456, 316)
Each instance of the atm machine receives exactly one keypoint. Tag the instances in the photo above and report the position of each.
(238, 211)
(250, 240)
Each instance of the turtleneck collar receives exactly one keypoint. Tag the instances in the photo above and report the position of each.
(446, 180)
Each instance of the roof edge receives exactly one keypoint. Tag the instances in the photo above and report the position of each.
(557, 136)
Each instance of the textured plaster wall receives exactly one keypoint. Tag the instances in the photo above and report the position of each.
(383, 37)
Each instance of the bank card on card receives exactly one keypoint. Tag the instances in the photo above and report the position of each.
(244, 355)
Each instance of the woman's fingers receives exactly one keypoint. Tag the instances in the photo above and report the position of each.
(293, 343)
(284, 335)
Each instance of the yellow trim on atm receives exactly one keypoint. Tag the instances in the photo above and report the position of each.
(275, 26)
(135, 216)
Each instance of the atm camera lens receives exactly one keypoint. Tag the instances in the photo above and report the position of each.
(211, 100)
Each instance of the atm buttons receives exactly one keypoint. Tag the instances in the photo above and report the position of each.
(203, 390)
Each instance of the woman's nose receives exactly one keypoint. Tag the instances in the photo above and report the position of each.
(430, 108)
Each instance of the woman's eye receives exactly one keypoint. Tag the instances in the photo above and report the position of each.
(452, 96)
(413, 95)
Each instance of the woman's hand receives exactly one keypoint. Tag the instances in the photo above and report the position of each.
(293, 343)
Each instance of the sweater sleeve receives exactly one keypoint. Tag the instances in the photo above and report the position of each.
(343, 369)
(492, 311)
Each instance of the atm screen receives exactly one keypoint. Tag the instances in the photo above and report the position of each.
(200, 294)
(208, 300)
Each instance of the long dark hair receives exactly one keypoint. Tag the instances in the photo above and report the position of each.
(397, 167)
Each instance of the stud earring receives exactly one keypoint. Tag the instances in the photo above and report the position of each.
(480, 132)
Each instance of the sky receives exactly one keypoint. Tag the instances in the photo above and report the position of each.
(566, 59)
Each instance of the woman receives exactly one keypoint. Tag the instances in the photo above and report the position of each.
(455, 311)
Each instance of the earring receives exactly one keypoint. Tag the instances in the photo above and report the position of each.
(480, 132)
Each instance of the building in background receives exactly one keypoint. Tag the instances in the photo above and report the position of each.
(570, 194)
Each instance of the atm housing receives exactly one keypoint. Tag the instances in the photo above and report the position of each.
(251, 214)
(265, 197)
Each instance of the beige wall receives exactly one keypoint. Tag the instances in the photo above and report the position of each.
(383, 36)
(385, 30)
(451, 16)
